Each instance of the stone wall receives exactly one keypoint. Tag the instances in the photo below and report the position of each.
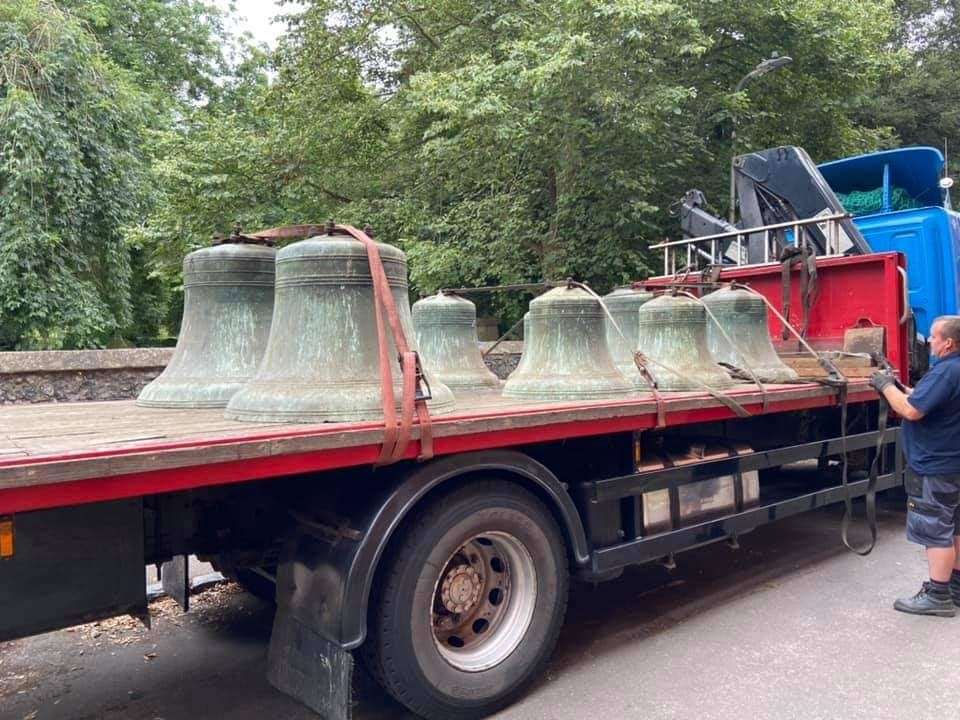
(74, 375)
(504, 358)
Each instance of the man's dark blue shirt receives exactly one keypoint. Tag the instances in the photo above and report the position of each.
(933, 442)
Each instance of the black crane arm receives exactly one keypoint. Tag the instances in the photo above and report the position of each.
(774, 186)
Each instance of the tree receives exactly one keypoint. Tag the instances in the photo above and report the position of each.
(172, 48)
(70, 171)
(499, 142)
(921, 97)
(529, 144)
(840, 50)
(89, 91)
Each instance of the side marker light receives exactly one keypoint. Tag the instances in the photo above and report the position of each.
(6, 538)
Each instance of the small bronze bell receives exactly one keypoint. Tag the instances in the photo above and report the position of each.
(673, 333)
(743, 316)
(322, 363)
(446, 327)
(624, 305)
(565, 354)
(227, 307)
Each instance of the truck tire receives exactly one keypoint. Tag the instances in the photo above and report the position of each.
(469, 602)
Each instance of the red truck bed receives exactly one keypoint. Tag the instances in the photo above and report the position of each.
(65, 454)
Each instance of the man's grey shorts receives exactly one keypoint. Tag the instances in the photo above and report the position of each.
(933, 509)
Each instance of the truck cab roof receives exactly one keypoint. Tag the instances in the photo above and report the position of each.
(916, 170)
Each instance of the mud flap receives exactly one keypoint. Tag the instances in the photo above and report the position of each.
(308, 667)
(175, 580)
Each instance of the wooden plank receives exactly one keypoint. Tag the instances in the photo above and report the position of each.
(851, 373)
(132, 453)
(127, 432)
(842, 362)
(76, 427)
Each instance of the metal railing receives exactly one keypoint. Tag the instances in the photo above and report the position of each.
(728, 248)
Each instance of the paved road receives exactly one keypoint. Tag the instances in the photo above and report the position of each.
(789, 626)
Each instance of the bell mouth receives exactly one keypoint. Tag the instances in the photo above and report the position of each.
(666, 384)
(774, 375)
(334, 402)
(557, 388)
(469, 382)
(189, 393)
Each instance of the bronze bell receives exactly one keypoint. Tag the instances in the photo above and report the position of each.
(446, 327)
(227, 307)
(565, 354)
(623, 305)
(743, 316)
(673, 333)
(322, 362)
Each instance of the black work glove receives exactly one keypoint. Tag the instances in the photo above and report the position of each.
(880, 381)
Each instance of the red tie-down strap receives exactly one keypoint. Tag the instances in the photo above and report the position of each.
(397, 432)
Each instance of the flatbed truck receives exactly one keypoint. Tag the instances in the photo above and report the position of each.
(446, 578)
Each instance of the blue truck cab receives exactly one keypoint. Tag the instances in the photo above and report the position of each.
(898, 204)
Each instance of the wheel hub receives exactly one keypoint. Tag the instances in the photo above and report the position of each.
(460, 589)
(483, 601)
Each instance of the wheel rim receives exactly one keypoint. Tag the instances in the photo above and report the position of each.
(483, 601)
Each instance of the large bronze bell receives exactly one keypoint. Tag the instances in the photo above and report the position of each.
(673, 333)
(743, 316)
(322, 363)
(227, 306)
(565, 353)
(623, 305)
(446, 327)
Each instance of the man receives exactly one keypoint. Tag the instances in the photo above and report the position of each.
(931, 437)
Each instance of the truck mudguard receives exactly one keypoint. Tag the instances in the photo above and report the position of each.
(328, 564)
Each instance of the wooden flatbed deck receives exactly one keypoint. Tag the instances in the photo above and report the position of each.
(63, 453)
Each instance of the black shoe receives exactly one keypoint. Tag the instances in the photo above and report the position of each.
(923, 603)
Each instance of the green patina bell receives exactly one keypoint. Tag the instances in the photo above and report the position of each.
(673, 333)
(624, 304)
(446, 327)
(322, 362)
(227, 307)
(565, 354)
(743, 316)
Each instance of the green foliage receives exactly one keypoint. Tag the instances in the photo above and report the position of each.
(537, 152)
(840, 52)
(84, 87)
(69, 178)
(500, 142)
(171, 47)
(921, 99)
(496, 141)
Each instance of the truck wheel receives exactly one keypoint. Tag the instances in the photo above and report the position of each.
(469, 603)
